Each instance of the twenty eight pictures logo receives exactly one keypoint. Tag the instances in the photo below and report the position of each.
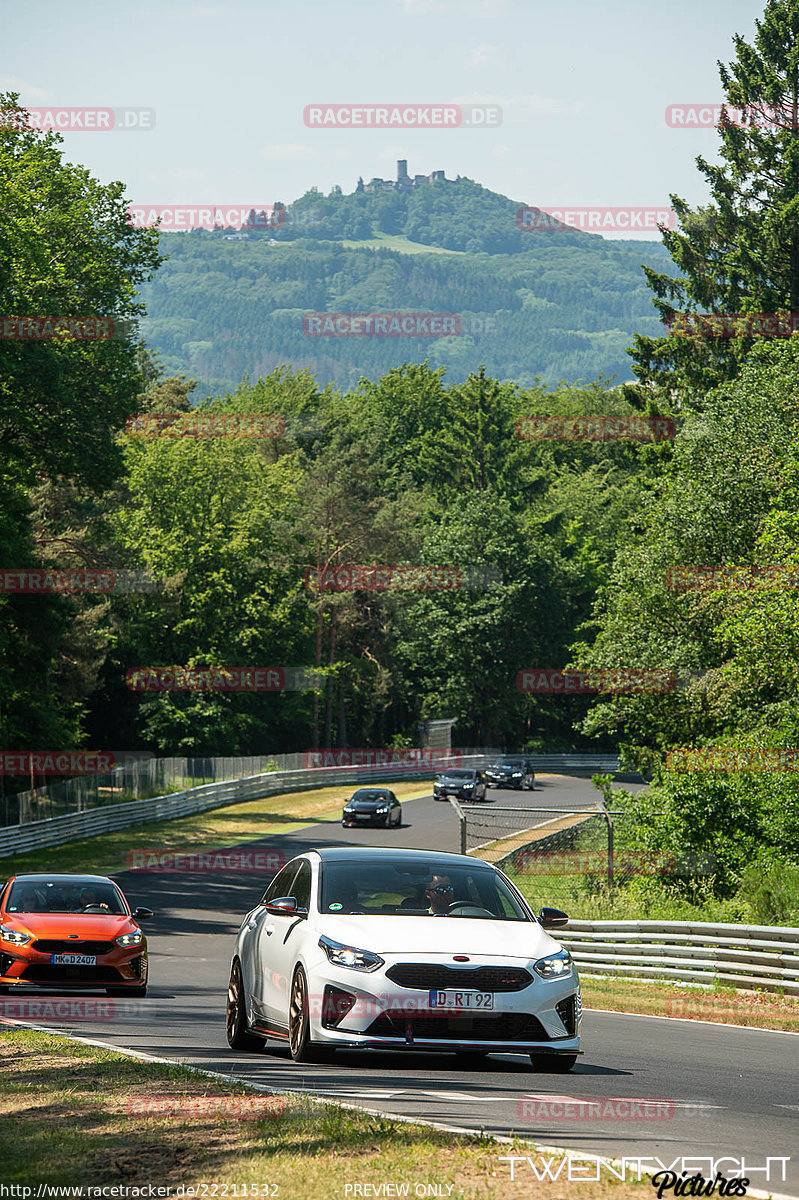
(402, 116)
(78, 120)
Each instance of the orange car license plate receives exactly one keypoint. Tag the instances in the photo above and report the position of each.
(73, 960)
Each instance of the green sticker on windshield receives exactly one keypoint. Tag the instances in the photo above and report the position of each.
(335, 907)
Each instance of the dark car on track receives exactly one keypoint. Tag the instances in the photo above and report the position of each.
(71, 931)
(511, 771)
(372, 806)
(463, 783)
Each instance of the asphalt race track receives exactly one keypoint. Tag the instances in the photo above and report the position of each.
(735, 1092)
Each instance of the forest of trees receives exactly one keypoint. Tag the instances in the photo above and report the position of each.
(556, 305)
(409, 466)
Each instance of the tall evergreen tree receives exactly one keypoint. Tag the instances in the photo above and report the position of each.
(739, 253)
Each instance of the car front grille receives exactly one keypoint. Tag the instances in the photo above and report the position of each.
(5, 962)
(507, 1027)
(47, 973)
(429, 976)
(54, 946)
(567, 1011)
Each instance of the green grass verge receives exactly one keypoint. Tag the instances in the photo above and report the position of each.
(82, 1116)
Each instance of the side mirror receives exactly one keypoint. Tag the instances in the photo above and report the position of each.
(142, 914)
(553, 918)
(285, 906)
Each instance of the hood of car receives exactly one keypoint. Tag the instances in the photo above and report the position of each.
(415, 937)
(89, 926)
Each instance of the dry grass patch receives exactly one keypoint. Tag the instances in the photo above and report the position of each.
(86, 1116)
(760, 1010)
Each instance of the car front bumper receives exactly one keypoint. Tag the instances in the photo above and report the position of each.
(388, 1015)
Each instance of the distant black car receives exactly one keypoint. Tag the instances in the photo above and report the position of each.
(463, 783)
(372, 806)
(511, 771)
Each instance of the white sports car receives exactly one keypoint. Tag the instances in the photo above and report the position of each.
(405, 950)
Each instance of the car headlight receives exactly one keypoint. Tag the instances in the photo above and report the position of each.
(350, 956)
(517, 774)
(469, 784)
(384, 809)
(129, 939)
(14, 936)
(554, 965)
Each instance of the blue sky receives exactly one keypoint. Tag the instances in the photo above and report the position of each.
(583, 87)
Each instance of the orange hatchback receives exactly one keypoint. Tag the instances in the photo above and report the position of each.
(71, 931)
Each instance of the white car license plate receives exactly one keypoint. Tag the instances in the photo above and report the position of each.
(73, 960)
(457, 1001)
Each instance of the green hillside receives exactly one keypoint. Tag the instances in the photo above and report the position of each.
(559, 305)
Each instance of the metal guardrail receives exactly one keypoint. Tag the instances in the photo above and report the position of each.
(743, 956)
(17, 839)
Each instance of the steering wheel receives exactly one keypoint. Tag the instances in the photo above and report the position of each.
(97, 908)
(473, 908)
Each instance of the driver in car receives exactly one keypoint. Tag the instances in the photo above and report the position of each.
(440, 894)
(90, 899)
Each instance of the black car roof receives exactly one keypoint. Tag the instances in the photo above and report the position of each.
(52, 877)
(351, 853)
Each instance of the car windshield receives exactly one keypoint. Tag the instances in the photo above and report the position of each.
(409, 888)
(75, 896)
(370, 796)
(458, 775)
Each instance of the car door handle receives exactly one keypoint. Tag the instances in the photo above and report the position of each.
(252, 924)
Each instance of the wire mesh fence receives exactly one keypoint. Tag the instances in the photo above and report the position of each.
(579, 860)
